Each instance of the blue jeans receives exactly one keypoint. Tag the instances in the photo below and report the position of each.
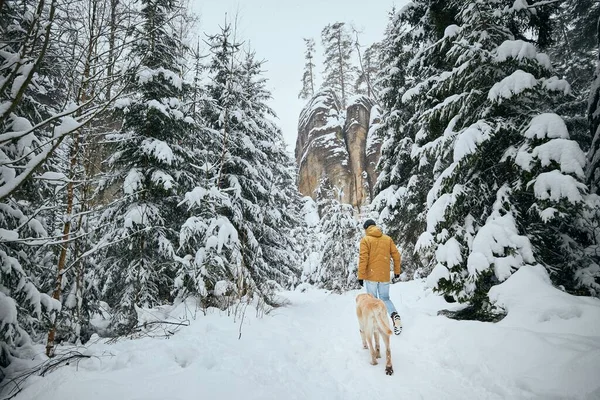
(381, 290)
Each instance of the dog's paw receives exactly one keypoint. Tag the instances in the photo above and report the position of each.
(389, 371)
(378, 355)
(373, 362)
(365, 347)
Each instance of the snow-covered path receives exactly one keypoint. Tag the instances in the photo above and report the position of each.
(311, 349)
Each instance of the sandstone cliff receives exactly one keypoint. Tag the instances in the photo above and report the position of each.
(340, 145)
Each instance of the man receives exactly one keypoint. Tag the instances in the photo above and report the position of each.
(376, 249)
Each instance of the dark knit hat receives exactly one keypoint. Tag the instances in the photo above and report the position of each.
(368, 223)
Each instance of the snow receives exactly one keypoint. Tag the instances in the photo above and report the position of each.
(53, 178)
(498, 243)
(146, 75)
(436, 213)
(451, 31)
(67, 125)
(8, 236)
(163, 179)
(531, 301)
(512, 85)
(159, 150)
(557, 85)
(425, 240)
(521, 50)
(468, 140)
(133, 181)
(548, 346)
(37, 227)
(122, 103)
(547, 125)
(221, 288)
(449, 253)
(439, 272)
(554, 185)
(139, 214)
(519, 5)
(566, 153)
(310, 212)
(8, 311)
(226, 234)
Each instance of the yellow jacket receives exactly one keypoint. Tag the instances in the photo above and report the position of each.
(376, 249)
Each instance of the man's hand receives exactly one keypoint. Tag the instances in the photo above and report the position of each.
(361, 282)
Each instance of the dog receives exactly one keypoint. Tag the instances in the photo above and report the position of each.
(373, 321)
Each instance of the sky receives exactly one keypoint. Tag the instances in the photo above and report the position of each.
(275, 29)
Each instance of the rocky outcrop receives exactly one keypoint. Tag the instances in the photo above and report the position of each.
(338, 144)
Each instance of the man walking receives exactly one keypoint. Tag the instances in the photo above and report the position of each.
(376, 249)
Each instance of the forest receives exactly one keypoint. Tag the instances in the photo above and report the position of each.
(140, 164)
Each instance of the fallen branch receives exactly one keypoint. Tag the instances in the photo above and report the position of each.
(42, 369)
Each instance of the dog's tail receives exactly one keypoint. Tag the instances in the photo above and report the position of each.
(382, 322)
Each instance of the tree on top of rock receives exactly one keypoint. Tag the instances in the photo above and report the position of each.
(308, 78)
(339, 72)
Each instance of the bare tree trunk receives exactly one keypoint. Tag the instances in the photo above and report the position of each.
(365, 70)
(111, 45)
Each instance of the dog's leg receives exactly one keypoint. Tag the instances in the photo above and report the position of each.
(388, 356)
(377, 348)
(364, 342)
(372, 350)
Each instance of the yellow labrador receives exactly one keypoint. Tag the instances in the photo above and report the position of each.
(373, 321)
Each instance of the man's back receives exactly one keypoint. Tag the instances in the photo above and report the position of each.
(376, 250)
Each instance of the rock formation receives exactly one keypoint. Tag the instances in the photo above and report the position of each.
(340, 145)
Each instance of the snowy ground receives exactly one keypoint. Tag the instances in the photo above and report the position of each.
(548, 347)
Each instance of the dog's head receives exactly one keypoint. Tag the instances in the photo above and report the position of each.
(363, 296)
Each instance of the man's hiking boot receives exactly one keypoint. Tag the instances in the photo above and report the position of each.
(397, 323)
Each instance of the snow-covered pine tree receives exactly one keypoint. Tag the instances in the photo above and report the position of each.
(244, 249)
(339, 72)
(331, 262)
(32, 126)
(574, 54)
(212, 264)
(308, 77)
(337, 269)
(507, 180)
(589, 276)
(280, 202)
(593, 166)
(153, 166)
(403, 182)
(310, 240)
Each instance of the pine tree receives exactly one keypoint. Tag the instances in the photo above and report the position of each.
(331, 261)
(366, 83)
(502, 193)
(308, 78)
(32, 93)
(154, 168)
(338, 266)
(247, 239)
(403, 182)
(590, 220)
(593, 165)
(574, 52)
(339, 73)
